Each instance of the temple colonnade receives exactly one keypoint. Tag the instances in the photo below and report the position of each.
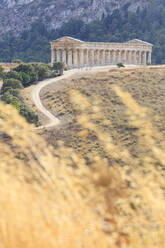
(75, 53)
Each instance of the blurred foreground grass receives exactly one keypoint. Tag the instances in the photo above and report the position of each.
(51, 198)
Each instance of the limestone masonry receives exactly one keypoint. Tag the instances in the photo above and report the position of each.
(76, 53)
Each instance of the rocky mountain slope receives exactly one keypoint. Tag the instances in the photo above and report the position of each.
(18, 15)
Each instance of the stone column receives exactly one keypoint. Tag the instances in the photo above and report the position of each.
(109, 57)
(130, 57)
(134, 61)
(124, 57)
(149, 57)
(103, 58)
(140, 57)
(106, 57)
(87, 57)
(119, 56)
(52, 56)
(81, 57)
(91, 57)
(144, 57)
(112, 57)
(58, 55)
(98, 57)
(116, 57)
(95, 57)
(75, 64)
(78, 58)
(64, 56)
(70, 58)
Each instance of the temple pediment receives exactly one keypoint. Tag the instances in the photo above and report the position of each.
(140, 42)
(68, 39)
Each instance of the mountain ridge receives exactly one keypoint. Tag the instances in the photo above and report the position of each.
(18, 15)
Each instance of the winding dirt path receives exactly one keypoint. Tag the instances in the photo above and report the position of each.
(54, 121)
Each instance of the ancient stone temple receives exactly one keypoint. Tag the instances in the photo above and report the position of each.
(76, 53)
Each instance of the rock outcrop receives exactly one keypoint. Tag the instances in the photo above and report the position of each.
(18, 15)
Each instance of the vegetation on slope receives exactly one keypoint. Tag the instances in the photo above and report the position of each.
(22, 76)
(117, 201)
(147, 24)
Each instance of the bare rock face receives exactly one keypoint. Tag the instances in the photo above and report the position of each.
(18, 15)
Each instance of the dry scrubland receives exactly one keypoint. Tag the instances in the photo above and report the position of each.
(146, 86)
(51, 198)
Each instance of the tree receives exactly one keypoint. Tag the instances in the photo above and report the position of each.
(26, 80)
(12, 83)
(13, 74)
(43, 70)
(58, 66)
(10, 99)
(1, 72)
(28, 114)
(17, 61)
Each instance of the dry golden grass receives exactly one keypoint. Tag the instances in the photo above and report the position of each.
(48, 200)
(146, 85)
(51, 198)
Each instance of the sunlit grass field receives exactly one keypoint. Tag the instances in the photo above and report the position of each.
(146, 86)
(94, 188)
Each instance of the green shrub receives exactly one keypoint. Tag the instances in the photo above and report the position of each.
(34, 77)
(13, 74)
(26, 80)
(10, 99)
(11, 83)
(14, 92)
(18, 61)
(43, 71)
(58, 66)
(54, 74)
(27, 68)
(120, 65)
(29, 114)
(1, 71)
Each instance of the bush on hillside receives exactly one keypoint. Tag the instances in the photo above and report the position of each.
(31, 73)
(120, 65)
(58, 66)
(17, 61)
(28, 73)
(26, 79)
(11, 83)
(1, 72)
(13, 74)
(30, 115)
(43, 70)
(14, 92)
(27, 68)
(10, 99)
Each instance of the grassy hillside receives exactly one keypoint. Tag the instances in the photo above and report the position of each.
(146, 86)
(52, 198)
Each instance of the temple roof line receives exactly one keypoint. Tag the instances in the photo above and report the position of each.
(134, 41)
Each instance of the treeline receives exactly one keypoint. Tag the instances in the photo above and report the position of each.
(147, 24)
(20, 77)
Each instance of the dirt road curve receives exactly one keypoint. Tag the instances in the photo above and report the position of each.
(54, 121)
